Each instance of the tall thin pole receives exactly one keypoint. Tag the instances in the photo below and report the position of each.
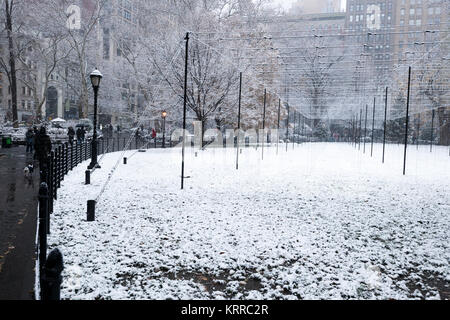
(373, 126)
(365, 129)
(360, 129)
(418, 131)
(278, 124)
(94, 138)
(293, 134)
(432, 131)
(287, 121)
(164, 133)
(352, 130)
(287, 127)
(184, 108)
(303, 126)
(385, 121)
(264, 137)
(407, 121)
(239, 120)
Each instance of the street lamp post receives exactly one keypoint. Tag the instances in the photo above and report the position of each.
(164, 116)
(96, 78)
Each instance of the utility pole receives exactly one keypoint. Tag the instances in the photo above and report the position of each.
(385, 122)
(407, 121)
(278, 123)
(184, 109)
(373, 126)
(264, 137)
(239, 120)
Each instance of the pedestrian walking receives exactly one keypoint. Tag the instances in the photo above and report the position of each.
(43, 147)
(71, 134)
(83, 134)
(29, 140)
(79, 134)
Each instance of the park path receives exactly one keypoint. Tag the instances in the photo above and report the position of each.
(18, 210)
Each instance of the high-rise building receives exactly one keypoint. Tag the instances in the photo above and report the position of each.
(420, 26)
(369, 24)
(315, 7)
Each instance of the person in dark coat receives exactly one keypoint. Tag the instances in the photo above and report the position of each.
(30, 140)
(79, 135)
(43, 147)
(71, 134)
(83, 134)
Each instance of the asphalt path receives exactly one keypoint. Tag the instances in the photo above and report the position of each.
(18, 214)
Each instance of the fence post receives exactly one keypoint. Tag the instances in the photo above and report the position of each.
(43, 215)
(76, 156)
(51, 277)
(59, 162)
(71, 157)
(63, 162)
(66, 163)
(53, 181)
(55, 168)
(49, 182)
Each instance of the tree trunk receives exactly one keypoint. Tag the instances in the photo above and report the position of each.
(12, 64)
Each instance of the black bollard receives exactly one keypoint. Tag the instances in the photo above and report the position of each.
(51, 277)
(124, 160)
(91, 210)
(88, 177)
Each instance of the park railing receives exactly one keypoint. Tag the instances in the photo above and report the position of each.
(63, 159)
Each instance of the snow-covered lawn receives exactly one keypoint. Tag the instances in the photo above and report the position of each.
(323, 221)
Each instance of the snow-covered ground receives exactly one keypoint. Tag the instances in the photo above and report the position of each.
(323, 221)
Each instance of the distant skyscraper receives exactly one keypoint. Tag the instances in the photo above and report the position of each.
(317, 6)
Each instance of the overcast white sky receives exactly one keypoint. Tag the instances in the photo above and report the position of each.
(286, 4)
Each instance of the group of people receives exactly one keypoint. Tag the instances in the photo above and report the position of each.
(80, 134)
(39, 142)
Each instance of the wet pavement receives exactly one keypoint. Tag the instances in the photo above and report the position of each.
(18, 214)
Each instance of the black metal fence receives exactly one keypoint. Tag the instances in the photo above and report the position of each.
(63, 159)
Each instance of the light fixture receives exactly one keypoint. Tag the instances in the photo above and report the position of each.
(96, 77)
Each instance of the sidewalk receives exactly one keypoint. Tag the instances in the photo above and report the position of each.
(18, 205)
